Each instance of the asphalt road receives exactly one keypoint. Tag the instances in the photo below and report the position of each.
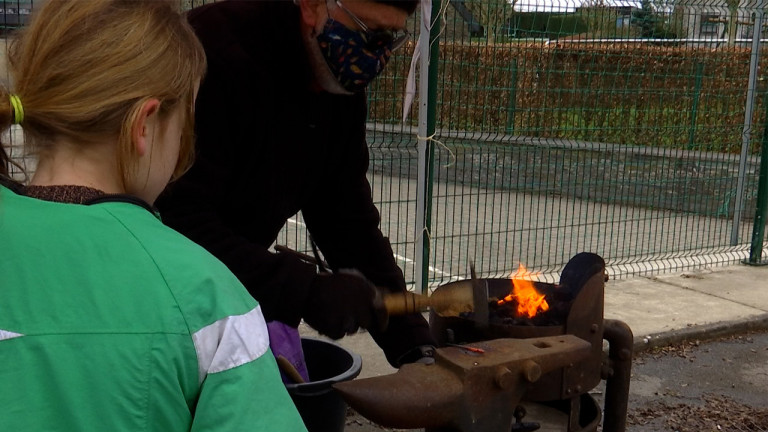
(697, 386)
(499, 229)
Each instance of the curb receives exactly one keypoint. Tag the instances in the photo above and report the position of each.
(701, 332)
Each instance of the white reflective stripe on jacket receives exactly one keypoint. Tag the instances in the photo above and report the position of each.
(4, 334)
(231, 342)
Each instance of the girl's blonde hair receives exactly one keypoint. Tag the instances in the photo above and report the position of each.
(82, 69)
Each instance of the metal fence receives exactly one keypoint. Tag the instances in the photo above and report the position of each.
(540, 129)
(630, 129)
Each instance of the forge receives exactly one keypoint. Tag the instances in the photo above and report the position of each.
(497, 371)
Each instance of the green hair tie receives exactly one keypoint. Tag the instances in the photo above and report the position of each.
(18, 110)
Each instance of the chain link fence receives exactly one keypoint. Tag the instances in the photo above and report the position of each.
(631, 129)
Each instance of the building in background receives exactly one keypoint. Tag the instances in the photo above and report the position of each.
(14, 14)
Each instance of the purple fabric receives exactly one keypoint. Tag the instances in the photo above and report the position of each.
(285, 341)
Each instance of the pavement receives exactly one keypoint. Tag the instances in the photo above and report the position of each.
(698, 304)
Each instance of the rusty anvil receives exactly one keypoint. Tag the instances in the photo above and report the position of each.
(463, 390)
(450, 300)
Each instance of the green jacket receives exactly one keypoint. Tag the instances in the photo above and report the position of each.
(110, 321)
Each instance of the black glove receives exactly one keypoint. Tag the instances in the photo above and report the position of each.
(420, 354)
(342, 302)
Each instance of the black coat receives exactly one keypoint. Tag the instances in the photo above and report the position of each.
(267, 147)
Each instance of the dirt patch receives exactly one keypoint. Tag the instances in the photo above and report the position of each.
(701, 386)
(717, 413)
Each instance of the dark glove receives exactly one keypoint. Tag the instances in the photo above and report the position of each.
(420, 354)
(342, 302)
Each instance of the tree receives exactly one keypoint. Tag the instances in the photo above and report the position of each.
(646, 19)
(650, 19)
(493, 15)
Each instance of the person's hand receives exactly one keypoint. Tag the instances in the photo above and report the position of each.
(421, 354)
(342, 302)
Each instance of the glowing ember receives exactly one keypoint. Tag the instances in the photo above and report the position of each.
(529, 301)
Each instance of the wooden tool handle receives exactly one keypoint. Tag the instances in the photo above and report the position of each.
(405, 303)
(449, 301)
(289, 369)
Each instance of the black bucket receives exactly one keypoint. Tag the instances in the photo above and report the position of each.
(320, 406)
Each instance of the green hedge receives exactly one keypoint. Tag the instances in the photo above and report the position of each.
(674, 97)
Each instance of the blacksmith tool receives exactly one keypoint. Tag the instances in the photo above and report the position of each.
(451, 300)
(462, 298)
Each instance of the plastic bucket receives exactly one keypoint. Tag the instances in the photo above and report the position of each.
(320, 406)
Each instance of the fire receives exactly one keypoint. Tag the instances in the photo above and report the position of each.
(529, 301)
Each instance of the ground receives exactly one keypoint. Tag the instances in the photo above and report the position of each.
(699, 386)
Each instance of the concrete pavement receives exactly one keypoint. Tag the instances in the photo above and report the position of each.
(660, 310)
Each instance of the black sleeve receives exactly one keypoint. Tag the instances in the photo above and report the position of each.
(343, 220)
(200, 204)
(345, 224)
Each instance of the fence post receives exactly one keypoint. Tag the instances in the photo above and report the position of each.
(758, 231)
(746, 133)
(429, 61)
(695, 107)
(512, 99)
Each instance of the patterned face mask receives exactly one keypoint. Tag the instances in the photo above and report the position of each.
(353, 59)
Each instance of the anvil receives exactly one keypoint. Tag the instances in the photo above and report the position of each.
(463, 390)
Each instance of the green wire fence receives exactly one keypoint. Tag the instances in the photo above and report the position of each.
(631, 129)
(618, 128)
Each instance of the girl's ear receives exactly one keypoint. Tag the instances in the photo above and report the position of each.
(309, 11)
(143, 127)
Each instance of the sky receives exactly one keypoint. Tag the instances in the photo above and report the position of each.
(565, 5)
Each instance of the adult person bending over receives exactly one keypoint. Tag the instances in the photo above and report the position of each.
(280, 124)
(109, 320)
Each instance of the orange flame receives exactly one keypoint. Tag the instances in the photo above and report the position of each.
(529, 301)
